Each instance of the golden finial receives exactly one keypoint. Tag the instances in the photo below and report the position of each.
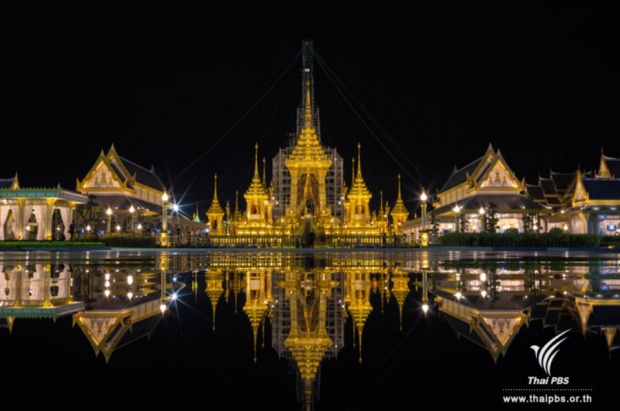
(359, 160)
(308, 104)
(256, 160)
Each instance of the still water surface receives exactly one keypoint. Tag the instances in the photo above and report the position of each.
(303, 329)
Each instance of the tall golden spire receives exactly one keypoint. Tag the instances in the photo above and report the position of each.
(400, 291)
(256, 187)
(308, 340)
(358, 201)
(357, 300)
(264, 173)
(215, 203)
(215, 213)
(237, 212)
(358, 188)
(196, 216)
(258, 297)
(214, 288)
(258, 205)
(399, 212)
(308, 159)
(308, 117)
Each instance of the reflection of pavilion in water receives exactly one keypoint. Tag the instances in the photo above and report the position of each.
(36, 291)
(304, 300)
(489, 306)
(308, 300)
(114, 305)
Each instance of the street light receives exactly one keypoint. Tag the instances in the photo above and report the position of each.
(457, 210)
(482, 211)
(423, 197)
(163, 307)
(109, 214)
(132, 210)
(425, 292)
(164, 219)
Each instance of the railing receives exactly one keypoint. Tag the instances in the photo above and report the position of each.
(298, 241)
(273, 241)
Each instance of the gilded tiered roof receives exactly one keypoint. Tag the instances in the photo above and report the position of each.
(399, 211)
(308, 152)
(359, 191)
(256, 189)
(215, 208)
(609, 167)
(214, 289)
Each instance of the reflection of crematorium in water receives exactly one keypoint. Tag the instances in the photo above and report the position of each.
(307, 299)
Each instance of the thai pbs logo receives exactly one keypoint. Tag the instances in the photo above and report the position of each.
(545, 356)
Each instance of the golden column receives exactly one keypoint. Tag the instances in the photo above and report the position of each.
(164, 220)
(423, 197)
(423, 232)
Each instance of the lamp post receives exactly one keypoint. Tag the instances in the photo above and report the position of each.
(164, 219)
(423, 233)
(163, 307)
(109, 214)
(456, 210)
(423, 197)
(132, 211)
(483, 224)
(424, 292)
(162, 300)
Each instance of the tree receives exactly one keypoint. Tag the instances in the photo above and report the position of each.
(492, 219)
(434, 225)
(90, 212)
(531, 221)
(463, 223)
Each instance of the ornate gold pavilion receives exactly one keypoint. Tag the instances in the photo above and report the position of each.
(307, 200)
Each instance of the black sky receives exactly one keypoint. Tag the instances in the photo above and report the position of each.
(421, 90)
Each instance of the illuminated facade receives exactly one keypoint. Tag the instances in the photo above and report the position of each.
(582, 202)
(136, 198)
(307, 198)
(484, 195)
(36, 213)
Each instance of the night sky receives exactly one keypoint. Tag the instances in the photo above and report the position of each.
(422, 91)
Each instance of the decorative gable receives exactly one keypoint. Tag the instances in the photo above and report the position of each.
(499, 176)
(603, 170)
(504, 328)
(580, 195)
(101, 328)
(123, 173)
(102, 177)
